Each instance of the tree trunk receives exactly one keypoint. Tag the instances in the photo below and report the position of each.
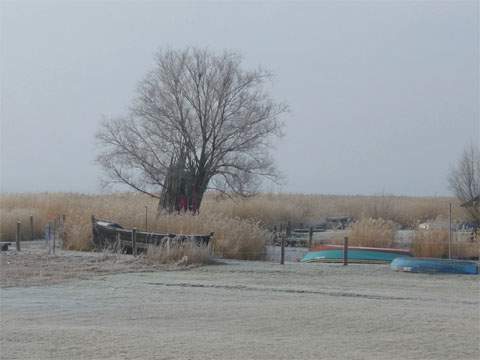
(197, 196)
(183, 188)
(174, 181)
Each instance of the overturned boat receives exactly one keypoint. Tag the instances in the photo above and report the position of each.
(355, 254)
(433, 265)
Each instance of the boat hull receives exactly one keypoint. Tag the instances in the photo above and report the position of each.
(432, 265)
(355, 255)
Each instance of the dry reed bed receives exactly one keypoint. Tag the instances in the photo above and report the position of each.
(434, 243)
(234, 237)
(239, 226)
(272, 208)
(372, 232)
(426, 243)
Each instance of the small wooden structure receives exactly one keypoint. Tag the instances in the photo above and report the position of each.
(110, 235)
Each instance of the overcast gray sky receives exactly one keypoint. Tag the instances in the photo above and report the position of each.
(383, 95)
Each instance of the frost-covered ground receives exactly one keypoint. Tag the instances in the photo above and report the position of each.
(245, 310)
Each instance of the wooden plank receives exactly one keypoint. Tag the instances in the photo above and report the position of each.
(345, 251)
(18, 236)
(134, 242)
(310, 237)
(31, 228)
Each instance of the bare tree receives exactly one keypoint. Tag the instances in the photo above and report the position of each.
(464, 180)
(199, 121)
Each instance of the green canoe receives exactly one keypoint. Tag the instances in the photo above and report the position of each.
(331, 253)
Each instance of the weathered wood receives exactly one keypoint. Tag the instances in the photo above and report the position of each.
(54, 234)
(94, 230)
(450, 230)
(345, 251)
(146, 218)
(134, 241)
(32, 234)
(63, 230)
(310, 237)
(47, 237)
(17, 237)
(282, 251)
(306, 230)
(118, 243)
(288, 233)
(49, 242)
(106, 235)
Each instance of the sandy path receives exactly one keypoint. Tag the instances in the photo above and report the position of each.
(246, 310)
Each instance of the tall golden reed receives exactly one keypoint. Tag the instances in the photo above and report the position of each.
(372, 232)
(240, 225)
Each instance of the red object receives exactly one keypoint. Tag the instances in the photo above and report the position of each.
(182, 203)
(339, 247)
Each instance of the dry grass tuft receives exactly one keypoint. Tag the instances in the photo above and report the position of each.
(372, 232)
(431, 243)
(434, 243)
(179, 254)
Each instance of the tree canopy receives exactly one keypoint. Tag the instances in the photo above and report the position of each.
(464, 180)
(199, 121)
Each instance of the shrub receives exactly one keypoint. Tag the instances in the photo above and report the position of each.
(430, 243)
(181, 254)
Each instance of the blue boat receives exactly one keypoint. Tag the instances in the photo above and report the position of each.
(332, 253)
(432, 265)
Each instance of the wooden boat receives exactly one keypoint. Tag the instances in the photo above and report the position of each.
(110, 235)
(356, 254)
(433, 265)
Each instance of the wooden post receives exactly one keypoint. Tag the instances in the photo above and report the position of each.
(63, 230)
(54, 234)
(345, 251)
(282, 251)
(134, 241)
(47, 238)
(280, 230)
(146, 218)
(118, 245)
(288, 233)
(310, 237)
(450, 231)
(94, 230)
(274, 239)
(17, 238)
(32, 235)
(49, 242)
